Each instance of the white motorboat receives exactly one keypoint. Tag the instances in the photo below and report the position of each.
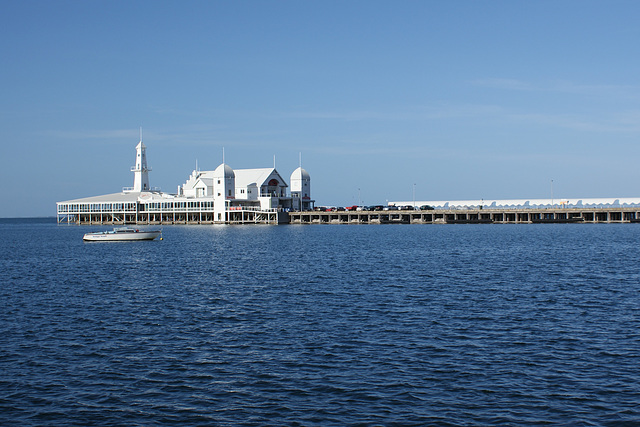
(122, 234)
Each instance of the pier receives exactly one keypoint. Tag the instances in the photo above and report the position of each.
(202, 213)
(262, 196)
(471, 216)
(141, 213)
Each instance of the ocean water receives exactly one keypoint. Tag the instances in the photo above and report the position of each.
(321, 325)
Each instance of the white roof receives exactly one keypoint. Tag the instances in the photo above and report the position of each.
(533, 203)
(246, 177)
(108, 198)
(224, 170)
(132, 196)
(243, 178)
(300, 173)
(205, 180)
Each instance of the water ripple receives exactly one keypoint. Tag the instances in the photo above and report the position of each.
(326, 325)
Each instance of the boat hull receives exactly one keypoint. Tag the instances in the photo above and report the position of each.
(110, 236)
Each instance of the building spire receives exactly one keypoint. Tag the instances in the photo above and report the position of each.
(140, 170)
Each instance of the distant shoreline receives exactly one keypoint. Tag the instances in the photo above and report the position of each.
(32, 218)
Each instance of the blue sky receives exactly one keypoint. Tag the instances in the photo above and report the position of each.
(464, 99)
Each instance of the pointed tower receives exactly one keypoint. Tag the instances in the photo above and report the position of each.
(140, 170)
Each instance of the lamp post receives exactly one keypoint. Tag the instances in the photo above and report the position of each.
(414, 196)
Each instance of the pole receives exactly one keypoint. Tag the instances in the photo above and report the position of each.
(414, 196)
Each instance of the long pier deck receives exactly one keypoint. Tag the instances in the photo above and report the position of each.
(437, 216)
(471, 216)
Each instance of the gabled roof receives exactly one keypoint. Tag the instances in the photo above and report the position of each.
(206, 181)
(246, 177)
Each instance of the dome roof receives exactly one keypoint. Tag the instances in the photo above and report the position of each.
(224, 170)
(300, 174)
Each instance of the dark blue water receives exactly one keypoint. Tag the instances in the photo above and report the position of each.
(321, 325)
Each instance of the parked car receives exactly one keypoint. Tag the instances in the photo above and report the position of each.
(426, 208)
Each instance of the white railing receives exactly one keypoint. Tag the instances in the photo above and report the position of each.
(251, 209)
(273, 194)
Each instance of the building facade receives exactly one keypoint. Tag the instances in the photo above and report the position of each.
(224, 195)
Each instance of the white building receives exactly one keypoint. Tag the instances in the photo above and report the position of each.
(264, 187)
(223, 195)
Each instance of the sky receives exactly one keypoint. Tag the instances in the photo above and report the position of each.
(450, 99)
